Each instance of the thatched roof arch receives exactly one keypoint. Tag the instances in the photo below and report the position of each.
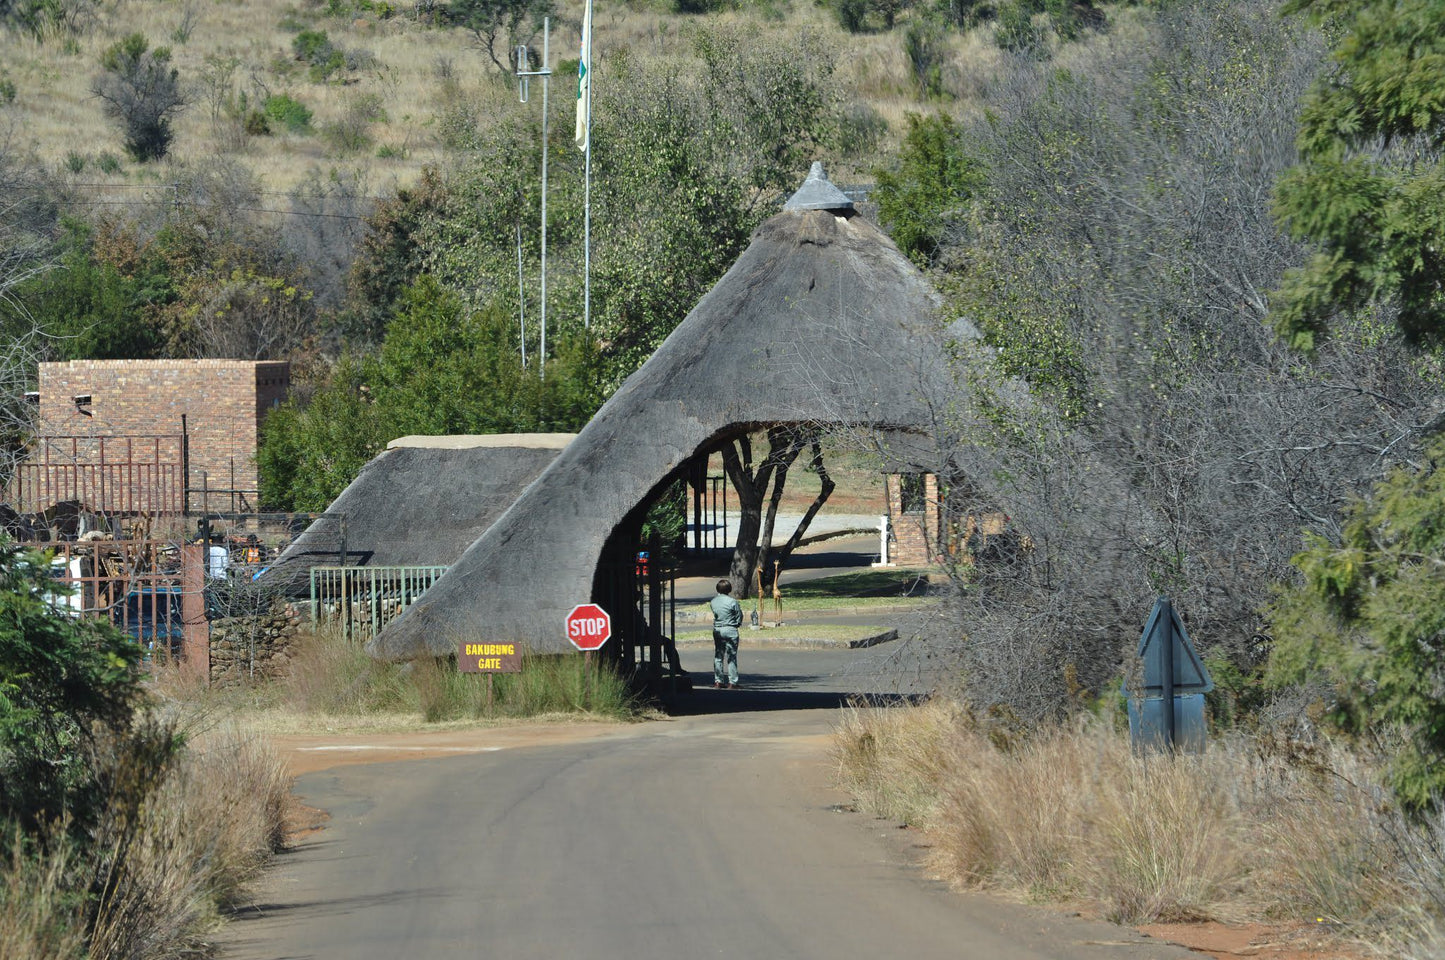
(821, 320)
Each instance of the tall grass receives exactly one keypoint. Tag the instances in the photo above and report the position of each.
(332, 675)
(180, 838)
(1249, 830)
(894, 760)
(38, 919)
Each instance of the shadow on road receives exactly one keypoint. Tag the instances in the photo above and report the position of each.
(769, 692)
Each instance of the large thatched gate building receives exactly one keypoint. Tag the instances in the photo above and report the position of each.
(821, 322)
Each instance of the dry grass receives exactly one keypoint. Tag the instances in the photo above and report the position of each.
(37, 920)
(179, 842)
(417, 72)
(191, 850)
(1248, 831)
(332, 677)
(893, 760)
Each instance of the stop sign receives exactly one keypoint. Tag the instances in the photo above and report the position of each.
(588, 626)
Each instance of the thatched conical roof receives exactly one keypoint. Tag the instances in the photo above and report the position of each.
(420, 502)
(821, 320)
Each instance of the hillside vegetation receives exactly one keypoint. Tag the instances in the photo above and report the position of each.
(404, 80)
(1204, 235)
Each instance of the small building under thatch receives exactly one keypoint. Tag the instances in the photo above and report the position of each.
(420, 502)
(822, 321)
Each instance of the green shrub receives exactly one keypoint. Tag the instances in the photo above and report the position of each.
(141, 90)
(288, 112)
(63, 683)
(7, 90)
(74, 162)
(852, 14)
(321, 70)
(108, 162)
(860, 129)
(1015, 30)
(311, 45)
(925, 46)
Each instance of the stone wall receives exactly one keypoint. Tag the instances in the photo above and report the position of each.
(256, 647)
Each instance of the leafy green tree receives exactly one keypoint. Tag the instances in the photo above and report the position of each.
(1369, 620)
(91, 308)
(142, 90)
(928, 187)
(62, 681)
(442, 368)
(1369, 191)
(310, 451)
(686, 162)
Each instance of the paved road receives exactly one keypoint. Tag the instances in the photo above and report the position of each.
(714, 833)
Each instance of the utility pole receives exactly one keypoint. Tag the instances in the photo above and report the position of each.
(522, 80)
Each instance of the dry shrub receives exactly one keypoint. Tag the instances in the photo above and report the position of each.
(165, 865)
(1164, 843)
(892, 759)
(1251, 829)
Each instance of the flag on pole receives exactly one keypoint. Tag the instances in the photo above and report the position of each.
(584, 80)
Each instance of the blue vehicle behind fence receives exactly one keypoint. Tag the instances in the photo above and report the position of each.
(152, 615)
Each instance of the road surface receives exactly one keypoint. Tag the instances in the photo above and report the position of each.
(712, 834)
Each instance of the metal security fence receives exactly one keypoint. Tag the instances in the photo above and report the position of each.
(109, 475)
(152, 590)
(362, 600)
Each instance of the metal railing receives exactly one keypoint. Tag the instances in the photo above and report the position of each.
(129, 475)
(710, 514)
(363, 600)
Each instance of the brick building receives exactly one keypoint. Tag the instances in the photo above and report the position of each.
(915, 516)
(100, 414)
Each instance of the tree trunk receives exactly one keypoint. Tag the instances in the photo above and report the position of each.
(738, 464)
(825, 490)
(754, 538)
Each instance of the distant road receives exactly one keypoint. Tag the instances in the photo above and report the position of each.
(710, 834)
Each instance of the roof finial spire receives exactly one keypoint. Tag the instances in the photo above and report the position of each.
(817, 193)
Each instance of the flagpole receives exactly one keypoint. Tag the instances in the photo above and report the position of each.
(546, 72)
(587, 191)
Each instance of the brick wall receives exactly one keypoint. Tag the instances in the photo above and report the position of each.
(915, 532)
(224, 402)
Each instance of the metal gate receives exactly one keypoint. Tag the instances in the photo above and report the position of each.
(362, 600)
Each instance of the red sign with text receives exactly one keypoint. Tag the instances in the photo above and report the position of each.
(588, 627)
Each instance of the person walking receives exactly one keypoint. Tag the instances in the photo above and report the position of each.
(727, 616)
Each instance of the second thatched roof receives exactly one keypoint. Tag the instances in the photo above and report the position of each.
(420, 502)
